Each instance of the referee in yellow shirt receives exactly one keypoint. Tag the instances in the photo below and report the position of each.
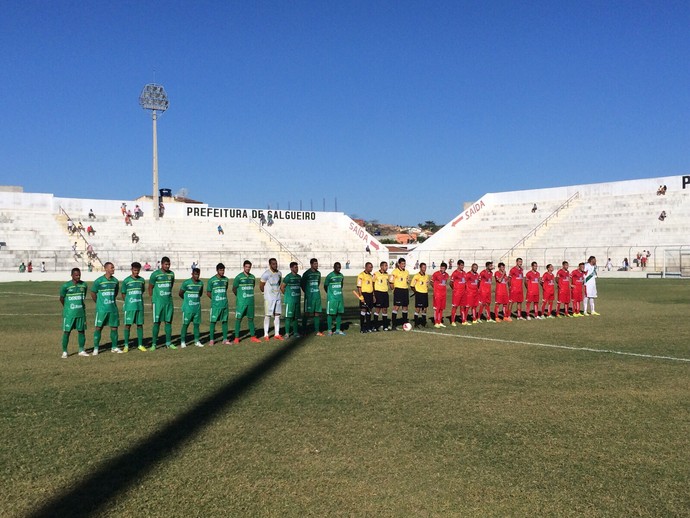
(365, 287)
(420, 287)
(381, 299)
(399, 281)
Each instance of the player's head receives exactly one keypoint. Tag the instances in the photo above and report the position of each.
(518, 261)
(401, 263)
(502, 266)
(581, 267)
(76, 274)
(443, 266)
(136, 268)
(489, 265)
(196, 273)
(533, 264)
(368, 267)
(549, 267)
(422, 268)
(220, 269)
(165, 264)
(109, 268)
(592, 260)
(383, 266)
(461, 264)
(336, 267)
(294, 267)
(247, 266)
(474, 267)
(273, 264)
(565, 265)
(314, 263)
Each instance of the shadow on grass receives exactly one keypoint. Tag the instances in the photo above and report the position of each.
(90, 495)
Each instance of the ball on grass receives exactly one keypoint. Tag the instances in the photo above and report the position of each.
(407, 326)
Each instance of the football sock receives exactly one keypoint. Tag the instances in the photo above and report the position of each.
(276, 325)
(224, 326)
(304, 323)
(362, 316)
(197, 335)
(317, 323)
(96, 338)
(183, 333)
(394, 318)
(65, 341)
(252, 331)
(267, 324)
(81, 337)
(168, 333)
(338, 321)
(404, 317)
(329, 322)
(367, 321)
(212, 331)
(154, 334)
(591, 305)
(453, 312)
(237, 328)
(424, 320)
(385, 321)
(140, 335)
(113, 338)
(376, 319)
(126, 336)
(416, 319)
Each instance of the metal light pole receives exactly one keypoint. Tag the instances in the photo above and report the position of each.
(154, 98)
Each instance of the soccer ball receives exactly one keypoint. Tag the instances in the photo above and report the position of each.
(407, 326)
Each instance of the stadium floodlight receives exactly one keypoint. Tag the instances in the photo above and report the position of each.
(154, 98)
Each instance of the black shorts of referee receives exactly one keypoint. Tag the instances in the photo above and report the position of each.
(368, 303)
(401, 297)
(382, 299)
(421, 300)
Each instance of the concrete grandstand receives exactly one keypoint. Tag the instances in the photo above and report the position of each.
(34, 228)
(614, 220)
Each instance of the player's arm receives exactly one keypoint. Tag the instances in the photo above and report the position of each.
(93, 296)
(413, 284)
(151, 283)
(391, 281)
(62, 300)
(234, 287)
(282, 288)
(180, 293)
(262, 284)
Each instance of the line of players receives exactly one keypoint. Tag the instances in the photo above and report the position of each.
(105, 290)
(472, 293)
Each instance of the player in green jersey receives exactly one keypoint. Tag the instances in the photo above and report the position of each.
(217, 291)
(312, 296)
(243, 288)
(292, 293)
(335, 304)
(190, 293)
(74, 312)
(104, 293)
(133, 288)
(160, 289)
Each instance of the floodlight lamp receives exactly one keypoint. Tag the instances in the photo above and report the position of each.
(153, 97)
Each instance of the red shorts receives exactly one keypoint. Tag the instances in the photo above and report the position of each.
(501, 296)
(564, 296)
(459, 297)
(577, 293)
(440, 301)
(517, 295)
(471, 300)
(548, 296)
(485, 296)
(533, 295)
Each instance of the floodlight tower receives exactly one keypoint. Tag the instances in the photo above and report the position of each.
(154, 98)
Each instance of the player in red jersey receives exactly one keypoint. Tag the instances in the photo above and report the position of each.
(485, 279)
(577, 278)
(548, 283)
(472, 281)
(563, 279)
(439, 281)
(502, 293)
(515, 283)
(532, 285)
(459, 296)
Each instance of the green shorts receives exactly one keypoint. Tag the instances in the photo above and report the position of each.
(134, 316)
(191, 317)
(335, 307)
(78, 323)
(162, 313)
(244, 310)
(292, 309)
(312, 304)
(219, 314)
(107, 319)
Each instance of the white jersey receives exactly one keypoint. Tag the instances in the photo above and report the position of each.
(272, 287)
(591, 280)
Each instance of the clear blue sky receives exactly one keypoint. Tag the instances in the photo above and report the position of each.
(432, 103)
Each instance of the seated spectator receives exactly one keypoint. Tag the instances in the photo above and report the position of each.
(147, 267)
(161, 209)
(135, 238)
(609, 265)
(123, 208)
(347, 264)
(91, 214)
(70, 226)
(662, 216)
(43, 267)
(262, 219)
(90, 230)
(30, 267)
(270, 221)
(90, 266)
(80, 227)
(626, 264)
(128, 220)
(138, 212)
(220, 230)
(74, 247)
(660, 190)
(534, 209)
(22, 267)
(663, 190)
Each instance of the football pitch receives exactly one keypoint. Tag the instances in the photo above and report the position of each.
(561, 417)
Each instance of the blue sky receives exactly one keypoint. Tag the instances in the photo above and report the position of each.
(400, 110)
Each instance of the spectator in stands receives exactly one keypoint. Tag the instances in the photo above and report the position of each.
(147, 267)
(123, 208)
(135, 238)
(262, 219)
(74, 247)
(91, 214)
(368, 250)
(43, 267)
(643, 259)
(22, 267)
(433, 265)
(220, 231)
(30, 267)
(347, 264)
(609, 265)
(138, 212)
(80, 227)
(158, 265)
(194, 265)
(626, 264)
(450, 264)
(270, 220)
(161, 209)
(128, 220)
(90, 266)
(534, 208)
(662, 216)
(659, 191)
(90, 230)
(89, 252)
(70, 226)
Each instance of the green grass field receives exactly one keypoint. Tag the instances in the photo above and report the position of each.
(512, 419)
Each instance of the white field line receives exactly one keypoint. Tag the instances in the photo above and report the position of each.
(554, 346)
